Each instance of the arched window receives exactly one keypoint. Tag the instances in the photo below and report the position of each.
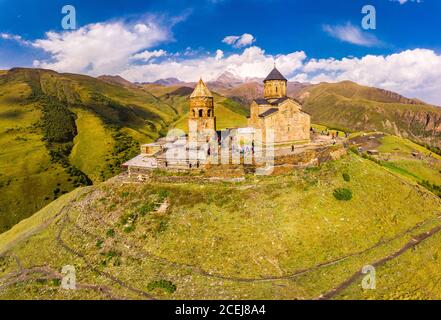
(201, 113)
(194, 114)
(277, 89)
(209, 113)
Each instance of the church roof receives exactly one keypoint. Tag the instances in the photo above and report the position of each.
(268, 112)
(261, 102)
(275, 75)
(273, 102)
(201, 91)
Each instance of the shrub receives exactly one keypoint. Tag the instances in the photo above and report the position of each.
(346, 177)
(368, 157)
(166, 285)
(110, 233)
(163, 194)
(147, 208)
(354, 150)
(128, 218)
(99, 243)
(436, 189)
(112, 254)
(343, 194)
(56, 282)
(162, 226)
(129, 228)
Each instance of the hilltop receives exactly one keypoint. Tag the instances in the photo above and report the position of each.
(276, 237)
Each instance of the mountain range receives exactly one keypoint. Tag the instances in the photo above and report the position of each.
(344, 105)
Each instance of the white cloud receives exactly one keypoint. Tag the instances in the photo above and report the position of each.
(128, 50)
(101, 48)
(13, 37)
(252, 62)
(406, 1)
(219, 54)
(148, 55)
(352, 34)
(413, 73)
(240, 41)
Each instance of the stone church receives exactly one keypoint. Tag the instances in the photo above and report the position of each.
(275, 115)
(279, 113)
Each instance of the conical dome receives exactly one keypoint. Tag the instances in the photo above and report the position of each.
(201, 91)
(275, 75)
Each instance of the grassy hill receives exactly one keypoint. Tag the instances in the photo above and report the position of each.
(61, 131)
(349, 106)
(229, 113)
(278, 237)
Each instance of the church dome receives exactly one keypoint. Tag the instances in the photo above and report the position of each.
(201, 91)
(275, 75)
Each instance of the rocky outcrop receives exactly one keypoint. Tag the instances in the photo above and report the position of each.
(399, 98)
(430, 122)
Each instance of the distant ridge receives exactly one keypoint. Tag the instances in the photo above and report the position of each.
(350, 106)
(117, 80)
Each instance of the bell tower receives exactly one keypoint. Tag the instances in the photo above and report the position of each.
(275, 85)
(201, 119)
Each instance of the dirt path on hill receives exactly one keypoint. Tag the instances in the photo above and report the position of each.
(43, 225)
(356, 276)
(25, 274)
(144, 254)
(46, 273)
(93, 268)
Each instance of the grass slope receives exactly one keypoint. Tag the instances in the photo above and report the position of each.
(426, 167)
(283, 237)
(92, 146)
(28, 177)
(350, 107)
(59, 131)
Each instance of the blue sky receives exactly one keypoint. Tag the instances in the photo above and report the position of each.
(311, 40)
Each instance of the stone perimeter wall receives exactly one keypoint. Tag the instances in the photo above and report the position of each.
(282, 165)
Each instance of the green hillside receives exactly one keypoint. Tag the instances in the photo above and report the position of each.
(277, 237)
(411, 161)
(351, 107)
(62, 131)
